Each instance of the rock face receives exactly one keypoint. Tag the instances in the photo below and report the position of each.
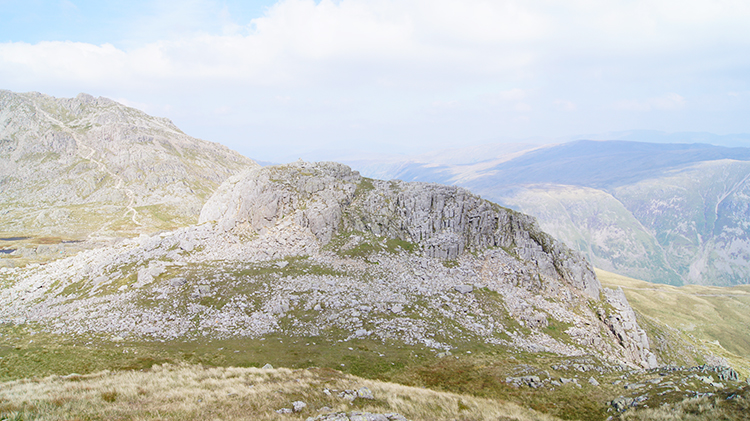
(661, 212)
(328, 198)
(85, 165)
(316, 250)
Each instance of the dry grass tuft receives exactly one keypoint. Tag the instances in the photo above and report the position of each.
(187, 392)
(109, 396)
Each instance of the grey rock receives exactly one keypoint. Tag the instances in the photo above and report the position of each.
(348, 395)
(444, 221)
(187, 245)
(298, 406)
(622, 403)
(177, 282)
(593, 381)
(365, 393)
(267, 367)
(531, 381)
(464, 289)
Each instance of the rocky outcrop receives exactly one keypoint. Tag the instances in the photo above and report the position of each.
(313, 195)
(623, 325)
(330, 198)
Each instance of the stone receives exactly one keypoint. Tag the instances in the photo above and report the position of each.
(361, 333)
(464, 289)
(622, 403)
(177, 282)
(348, 395)
(365, 393)
(267, 367)
(298, 406)
(593, 381)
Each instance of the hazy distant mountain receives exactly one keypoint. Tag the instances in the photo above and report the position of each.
(670, 213)
(85, 165)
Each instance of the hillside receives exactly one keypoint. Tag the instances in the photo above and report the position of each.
(668, 213)
(169, 392)
(713, 315)
(79, 168)
(317, 250)
(312, 265)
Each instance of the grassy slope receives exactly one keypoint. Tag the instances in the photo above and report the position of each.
(474, 371)
(181, 392)
(716, 316)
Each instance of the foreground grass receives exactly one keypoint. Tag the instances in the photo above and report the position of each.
(475, 370)
(181, 392)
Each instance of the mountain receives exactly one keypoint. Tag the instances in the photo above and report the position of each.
(213, 261)
(669, 213)
(312, 265)
(85, 167)
(316, 250)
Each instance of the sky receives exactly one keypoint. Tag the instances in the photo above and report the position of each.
(276, 79)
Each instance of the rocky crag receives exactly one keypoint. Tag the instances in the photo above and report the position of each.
(91, 167)
(317, 251)
(662, 212)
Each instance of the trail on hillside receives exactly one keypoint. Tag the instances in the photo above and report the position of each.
(120, 185)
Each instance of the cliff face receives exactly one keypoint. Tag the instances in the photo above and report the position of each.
(82, 166)
(330, 198)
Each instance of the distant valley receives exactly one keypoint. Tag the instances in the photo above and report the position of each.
(667, 213)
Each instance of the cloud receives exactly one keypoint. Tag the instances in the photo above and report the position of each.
(299, 42)
(670, 101)
(565, 105)
(323, 67)
(403, 44)
(522, 107)
(67, 5)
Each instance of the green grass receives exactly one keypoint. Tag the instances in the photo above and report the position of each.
(368, 244)
(708, 314)
(474, 370)
(30, 353)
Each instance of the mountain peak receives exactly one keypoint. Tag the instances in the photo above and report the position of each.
(85, 165)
